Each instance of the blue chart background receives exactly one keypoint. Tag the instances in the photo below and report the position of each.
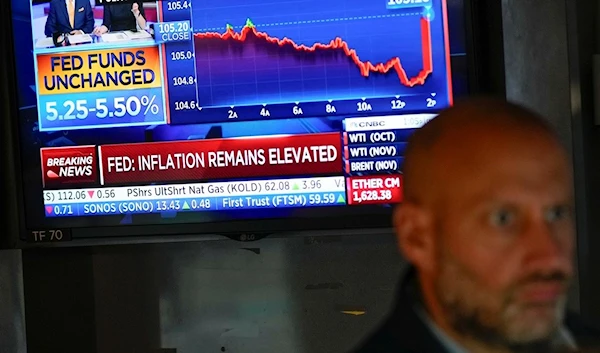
(233, 73)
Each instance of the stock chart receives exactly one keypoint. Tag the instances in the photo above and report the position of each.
(256, 59)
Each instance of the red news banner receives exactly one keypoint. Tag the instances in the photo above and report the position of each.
(64, 166)
(313, 154)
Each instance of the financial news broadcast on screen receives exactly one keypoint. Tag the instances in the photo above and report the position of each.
(136, 112)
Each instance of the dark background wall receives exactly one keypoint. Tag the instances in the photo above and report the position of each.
(549, 46)
(547, 59)
(585, 40)
(12, 318)
(301, 294)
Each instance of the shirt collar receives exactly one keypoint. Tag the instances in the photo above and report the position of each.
(566, 339)
(449, 344)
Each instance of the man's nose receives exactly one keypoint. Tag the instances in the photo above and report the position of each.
(545, 249)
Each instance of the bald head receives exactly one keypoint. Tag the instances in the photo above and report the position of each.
(458, 134)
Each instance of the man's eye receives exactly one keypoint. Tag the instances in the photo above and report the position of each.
(557, 213)
(502, 218)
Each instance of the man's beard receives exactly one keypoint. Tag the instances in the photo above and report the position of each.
(473, 313)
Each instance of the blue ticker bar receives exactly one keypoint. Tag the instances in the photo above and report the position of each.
(370, 166)
(226, 203)
(377, 137)
(175, 31)
(306, 107)
(138, 107)
(376, 151)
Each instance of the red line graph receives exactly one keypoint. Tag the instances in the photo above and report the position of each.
(365, 67)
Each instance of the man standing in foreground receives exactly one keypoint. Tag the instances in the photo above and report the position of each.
(487, 224)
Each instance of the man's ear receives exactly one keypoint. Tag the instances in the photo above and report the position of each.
(415, 233)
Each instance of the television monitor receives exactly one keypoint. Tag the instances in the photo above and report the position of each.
(205, 117)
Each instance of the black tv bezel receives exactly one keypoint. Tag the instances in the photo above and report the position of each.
(484, 44)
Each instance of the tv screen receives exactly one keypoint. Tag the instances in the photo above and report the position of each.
(203, 116)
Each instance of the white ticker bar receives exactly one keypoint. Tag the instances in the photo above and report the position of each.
(390, 122)
(182, 191)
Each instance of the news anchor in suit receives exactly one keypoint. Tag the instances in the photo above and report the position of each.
(69, 16)
(122, 17)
